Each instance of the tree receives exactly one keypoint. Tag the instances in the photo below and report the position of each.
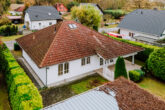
(120, 69)
(156, 63)
(72, 4)
(87, 15)
(4, 5)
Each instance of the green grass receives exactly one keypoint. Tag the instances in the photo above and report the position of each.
(54, 95)
(138, 62)
(4, 103)
(88, 83)
(153, 86)
(9, 38)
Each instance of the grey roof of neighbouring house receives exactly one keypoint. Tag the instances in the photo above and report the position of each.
(151, 22)
(92, 100)
(39, 13)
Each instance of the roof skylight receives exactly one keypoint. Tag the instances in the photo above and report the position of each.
(73, 26)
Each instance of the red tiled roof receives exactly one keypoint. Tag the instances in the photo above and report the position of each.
(130, 97)
(59, 43)
(20, 9)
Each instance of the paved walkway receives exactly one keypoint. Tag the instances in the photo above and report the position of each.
(29, 71)
(129, 66)
(10, 44)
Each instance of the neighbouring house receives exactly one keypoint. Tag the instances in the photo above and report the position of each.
(118, 95)
(61, 8)
(39, 17)
(97, 7)
(144, 25)
(69, 51)
(16, 9)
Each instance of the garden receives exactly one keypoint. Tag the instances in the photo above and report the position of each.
(54, 95)
(151, 76)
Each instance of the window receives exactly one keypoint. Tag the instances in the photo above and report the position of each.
(83, 61)
(66, 68)
(50, 23)
(60, 69)
(111, 60)
(72, 26)
(131, 34)
(63, 68)
(88, 60)
(39, 24)
(101, 61)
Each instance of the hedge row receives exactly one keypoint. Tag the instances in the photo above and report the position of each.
(8, 30)
(23, 94)
(115, 13)
(144, 55)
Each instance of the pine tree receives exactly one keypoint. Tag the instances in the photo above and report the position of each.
(120, 69)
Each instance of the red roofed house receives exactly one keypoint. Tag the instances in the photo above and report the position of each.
(61, 8)
(17, 11)
(68, 51)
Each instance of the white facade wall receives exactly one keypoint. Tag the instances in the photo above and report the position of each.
(13, 13)
(37, 25)
(125, 32)
(41, 72)
(50, 75)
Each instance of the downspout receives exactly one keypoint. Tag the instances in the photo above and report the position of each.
(47, 76)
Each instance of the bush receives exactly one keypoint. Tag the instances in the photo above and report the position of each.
(8, 30)
(23, 95)
(5, 21)
(72, 4)
(115, 13)
(136, 75)
(156, 63)
(120, 69)
(142, 56)
(16, 47)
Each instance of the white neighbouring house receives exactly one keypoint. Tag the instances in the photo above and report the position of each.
(144, 25)
(39, 17)
(68, 51)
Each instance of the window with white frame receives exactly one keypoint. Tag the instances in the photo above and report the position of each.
(63, 68)
(39, 24)
(85, 61)
(50, 23)
(101, 61)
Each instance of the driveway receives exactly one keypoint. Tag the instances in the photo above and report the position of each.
(108, 29)
(10, 44)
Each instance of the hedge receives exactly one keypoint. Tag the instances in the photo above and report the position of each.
(144, 55)
(156, 63)
(115, 13)
(23, 95)
(8, 30)
(136, 75)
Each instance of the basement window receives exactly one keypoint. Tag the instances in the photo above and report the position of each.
(72, 26)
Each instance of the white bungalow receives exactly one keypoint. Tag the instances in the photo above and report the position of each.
(39, 17)
(68, 51)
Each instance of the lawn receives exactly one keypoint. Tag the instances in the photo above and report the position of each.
(4, 103)
(153, 86)
(54, 95)
(9, 38)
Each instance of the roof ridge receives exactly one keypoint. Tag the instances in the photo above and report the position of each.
(51, 44)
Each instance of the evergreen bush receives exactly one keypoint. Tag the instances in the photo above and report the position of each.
(120, 69)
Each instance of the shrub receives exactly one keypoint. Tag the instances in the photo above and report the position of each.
(5, 21)
(156, 63)
(136, 75)
(120, 69)
(72, 4)
(8, 30)
(16, 47)
(23, 94)
(142, 56)
(115, 13)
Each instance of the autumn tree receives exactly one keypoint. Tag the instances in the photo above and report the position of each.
(87, 15)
